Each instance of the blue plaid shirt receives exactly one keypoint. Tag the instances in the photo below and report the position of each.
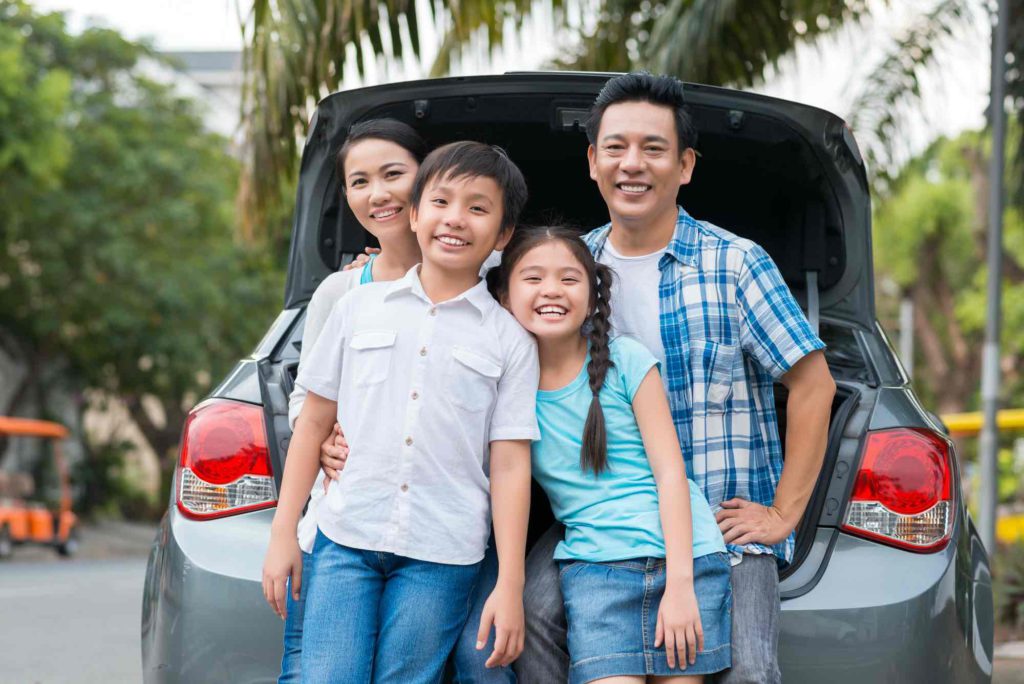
(730, 327)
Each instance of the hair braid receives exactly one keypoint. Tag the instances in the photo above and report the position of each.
(594, 454)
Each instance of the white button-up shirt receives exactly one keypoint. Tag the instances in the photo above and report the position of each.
(422, 391)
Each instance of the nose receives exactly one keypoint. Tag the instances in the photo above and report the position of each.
(379, 193)
(454, 216)
(633, 160)
(551, 288)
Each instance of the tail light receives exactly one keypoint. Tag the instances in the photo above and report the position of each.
(224, 466)
(903, 494)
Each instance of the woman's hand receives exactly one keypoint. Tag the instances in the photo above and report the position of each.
(333, 454)
(679, 625)
(360, 259)
(504, 609)
(283, 561)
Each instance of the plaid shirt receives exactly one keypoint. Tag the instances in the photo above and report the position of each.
(730, 327)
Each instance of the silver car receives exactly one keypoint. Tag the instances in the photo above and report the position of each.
(890, 582)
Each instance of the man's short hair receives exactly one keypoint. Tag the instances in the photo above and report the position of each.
(468, 159)
(642, 86)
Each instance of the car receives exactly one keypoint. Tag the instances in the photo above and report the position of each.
(890, 581)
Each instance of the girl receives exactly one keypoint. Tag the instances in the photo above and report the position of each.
(644, 573)
(376, 164)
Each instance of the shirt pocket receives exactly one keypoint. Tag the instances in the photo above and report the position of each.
(472, 380)
(372, 351)
(716, 360)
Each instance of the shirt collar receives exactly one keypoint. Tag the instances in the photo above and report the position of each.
(682, 247)
(477, 296)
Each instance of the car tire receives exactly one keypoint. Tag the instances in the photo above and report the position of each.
(6, 545)
(69, 547)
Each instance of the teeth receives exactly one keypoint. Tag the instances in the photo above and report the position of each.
(633, 188)
(385, 214)
(454, 242)
(548, 310)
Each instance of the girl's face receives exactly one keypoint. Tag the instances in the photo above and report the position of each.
(549, 291)
(378, 184)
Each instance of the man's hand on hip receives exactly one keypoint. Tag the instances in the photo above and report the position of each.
(745, 522)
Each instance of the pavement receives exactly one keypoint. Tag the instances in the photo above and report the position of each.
(102, 540)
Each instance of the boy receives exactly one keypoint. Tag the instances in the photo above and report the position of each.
(434, 386)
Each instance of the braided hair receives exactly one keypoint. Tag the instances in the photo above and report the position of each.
(597, 328)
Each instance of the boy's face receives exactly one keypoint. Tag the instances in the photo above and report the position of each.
(458, 222)
(637, 162)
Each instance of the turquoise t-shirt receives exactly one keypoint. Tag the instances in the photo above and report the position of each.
(367, 274)
(613, 516)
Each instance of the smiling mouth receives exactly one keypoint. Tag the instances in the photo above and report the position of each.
(552, 311)
(451, 241)
(633, 188)
(386, 213)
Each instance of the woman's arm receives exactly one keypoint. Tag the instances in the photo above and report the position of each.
(300, 467)
(678, 617)
(510, 506)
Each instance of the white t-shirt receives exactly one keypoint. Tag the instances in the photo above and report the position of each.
(635, 307)
(422, 391)
(327, 294)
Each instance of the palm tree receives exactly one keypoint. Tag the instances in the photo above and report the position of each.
(297, 50)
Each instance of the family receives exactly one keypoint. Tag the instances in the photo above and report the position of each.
(629, 372)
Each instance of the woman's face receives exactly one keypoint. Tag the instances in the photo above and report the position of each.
(549, 291)
(378, 184)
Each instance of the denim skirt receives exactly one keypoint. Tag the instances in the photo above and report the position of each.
(612, 611)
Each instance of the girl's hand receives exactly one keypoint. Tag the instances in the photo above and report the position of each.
(504, 609)
(679, 625)
(284, 560)
(333, 454)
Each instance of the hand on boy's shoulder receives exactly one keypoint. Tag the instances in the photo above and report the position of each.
(360, 259)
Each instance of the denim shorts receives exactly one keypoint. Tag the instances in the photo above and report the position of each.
(612, 611)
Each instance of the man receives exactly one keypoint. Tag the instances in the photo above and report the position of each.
(716, 312)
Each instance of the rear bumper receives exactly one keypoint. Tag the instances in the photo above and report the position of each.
(878, 614)
(204, 618)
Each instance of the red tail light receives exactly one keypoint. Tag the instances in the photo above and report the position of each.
(903, 494)
(224, 466)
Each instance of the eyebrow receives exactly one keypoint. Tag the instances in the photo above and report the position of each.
(446, 190)
(646, 138)
(383, 167)
(564, 269)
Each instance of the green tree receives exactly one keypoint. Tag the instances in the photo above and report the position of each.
(117, 217)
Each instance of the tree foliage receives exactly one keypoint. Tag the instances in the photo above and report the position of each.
(117, 217)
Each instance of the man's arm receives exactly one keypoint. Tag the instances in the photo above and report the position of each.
(808, 410)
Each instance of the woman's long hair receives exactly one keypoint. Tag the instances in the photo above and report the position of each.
(392, 130)
(597, 329)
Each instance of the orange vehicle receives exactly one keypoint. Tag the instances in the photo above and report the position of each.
(24, 520)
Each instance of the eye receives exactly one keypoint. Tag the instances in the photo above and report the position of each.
(358, 182)
(654, 149)
(439, 201)
(570, 280)
(394, 174)
(532, 279)
(478, 209)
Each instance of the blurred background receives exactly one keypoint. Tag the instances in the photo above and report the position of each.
(149, 150)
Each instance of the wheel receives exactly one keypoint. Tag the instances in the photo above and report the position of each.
(6, 545)
(69, 547)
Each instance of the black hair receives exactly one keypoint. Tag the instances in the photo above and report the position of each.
(468, 159)
(642, 86)
(392, 130)
(597, 329)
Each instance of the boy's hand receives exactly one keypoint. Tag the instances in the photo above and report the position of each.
(284, 560)
(360, 259)
(333, 454)
(503, 610)
(679, 625)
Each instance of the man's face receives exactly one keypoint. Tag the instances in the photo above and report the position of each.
(458, 222)
(637, 162)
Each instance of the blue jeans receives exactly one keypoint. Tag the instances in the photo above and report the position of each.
(291, 672)
(469, 662)
(375, 616)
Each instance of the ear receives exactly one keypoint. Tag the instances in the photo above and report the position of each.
(413, 217)
(688, 161)
(503, 237)
(592, 160)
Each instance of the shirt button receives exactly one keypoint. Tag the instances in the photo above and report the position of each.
(423, 351)
(408, 441)
(433, 311)
(405, 488)
(415, 395)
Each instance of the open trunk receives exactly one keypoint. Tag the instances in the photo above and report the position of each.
(785, 175)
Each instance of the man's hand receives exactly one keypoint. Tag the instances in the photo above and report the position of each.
(504, 609)
(745, 522)
(360, 259)
(333, 454)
